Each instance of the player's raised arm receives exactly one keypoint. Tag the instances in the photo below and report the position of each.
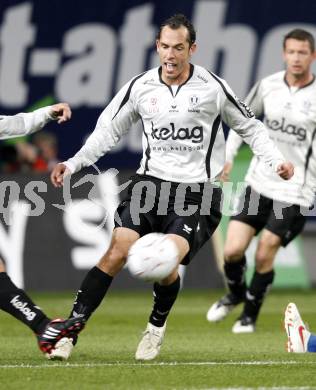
(60, 112)
(113, 122)
(27, 123)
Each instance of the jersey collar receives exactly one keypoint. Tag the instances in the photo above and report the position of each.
(180, 85)
(304, 86)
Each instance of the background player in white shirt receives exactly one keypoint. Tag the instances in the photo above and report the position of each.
(13, 300)
(287, 100)
(181, 106)
(25, 123)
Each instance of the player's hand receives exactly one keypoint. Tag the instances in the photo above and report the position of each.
(285, 170)
(226, 171)
(58, 175)
(61, 111)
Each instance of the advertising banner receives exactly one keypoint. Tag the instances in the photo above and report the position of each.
(50, 238)
(87, 52)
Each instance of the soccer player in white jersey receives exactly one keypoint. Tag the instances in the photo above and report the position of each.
(13, 300)
(181, 106)
(287, 100)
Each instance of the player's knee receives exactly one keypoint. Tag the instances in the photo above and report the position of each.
(266, 251)
(117, 252)
(233, 253)
(115, 257)
(120, 244)
(113, 261)
(170, 278)
(261, 258)
(264, 262)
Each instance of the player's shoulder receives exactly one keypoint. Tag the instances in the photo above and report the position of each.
(274, 78)
(204, 75)
(149, 76)
(138, 83)
(143, 78)
(201, 73)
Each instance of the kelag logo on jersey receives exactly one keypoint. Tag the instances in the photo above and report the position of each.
(184, 133)
(275, 125)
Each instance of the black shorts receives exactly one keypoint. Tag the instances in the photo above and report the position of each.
(152, 205)
(258, 211)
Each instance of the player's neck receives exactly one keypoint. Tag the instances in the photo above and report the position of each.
(180, 79)
(299, 81)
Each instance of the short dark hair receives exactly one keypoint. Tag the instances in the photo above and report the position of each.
(175, 22)
(300, 35)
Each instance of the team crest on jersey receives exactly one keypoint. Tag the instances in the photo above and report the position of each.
(194, 101)
(153, 106)
(306, 107)
(288, 106)
(153, 101)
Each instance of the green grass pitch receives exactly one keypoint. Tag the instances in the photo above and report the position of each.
(195, 354)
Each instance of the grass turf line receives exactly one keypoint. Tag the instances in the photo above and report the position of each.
(195, 354)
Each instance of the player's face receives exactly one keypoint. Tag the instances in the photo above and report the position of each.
(298, 57)
(174, 52)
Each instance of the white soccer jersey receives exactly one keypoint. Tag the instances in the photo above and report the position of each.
(290, 115)
(182, 139)
(23, 123)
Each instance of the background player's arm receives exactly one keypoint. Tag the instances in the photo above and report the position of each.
(233, 143)
(27, 123)
(240, 118)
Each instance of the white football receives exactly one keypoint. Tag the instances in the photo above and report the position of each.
(152, 257)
